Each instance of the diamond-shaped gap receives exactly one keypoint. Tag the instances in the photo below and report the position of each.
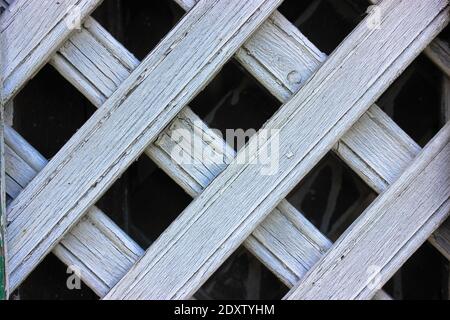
(242, 277)
(413, 100)
(326, 23)
(424, 276)
(235, 100)
(331, 196)
(138, 25)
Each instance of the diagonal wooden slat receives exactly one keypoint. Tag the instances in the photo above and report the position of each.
(273, 252)
(388, 233)
(231, 207)
(306, 236)
(119, 131)
(30, 33)
(104, 257)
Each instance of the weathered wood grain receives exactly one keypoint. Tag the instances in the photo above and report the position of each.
(376, 148)
(238, 200)
(30, 33)
(77, 67)
(4, 286)
(259, 32)
(276, 243)
(178, 68)
(388, 232)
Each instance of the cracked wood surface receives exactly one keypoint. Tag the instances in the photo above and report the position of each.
(119, 131)
(388, 232)
(439, 53)
(167, 270)
(306, 64)
(4, 286)
(96, 245)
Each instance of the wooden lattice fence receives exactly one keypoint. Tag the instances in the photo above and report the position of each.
(328, 104)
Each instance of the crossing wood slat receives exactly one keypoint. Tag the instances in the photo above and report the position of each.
(22, 173)
(104, 257)
(282, 59)
(439, 53)
(388, 232)
(119, 131)
(167, 270)
(441, 238)
(31, 31)
(244, 64)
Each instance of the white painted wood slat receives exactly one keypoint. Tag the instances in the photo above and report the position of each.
(211, 229)
(119, 131)
(388, 232)
(380, 132)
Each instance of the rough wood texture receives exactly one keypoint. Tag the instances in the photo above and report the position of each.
(119, 131)
(287, 243)
(387, 234)
(31, 31)
(282, 59)
(438, 51)
(445, 100)
(231, 207)
(275, 238)
(392, 149)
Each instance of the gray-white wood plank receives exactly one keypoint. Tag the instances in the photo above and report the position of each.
(4, 276)
(438, 51)
(238, 200)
